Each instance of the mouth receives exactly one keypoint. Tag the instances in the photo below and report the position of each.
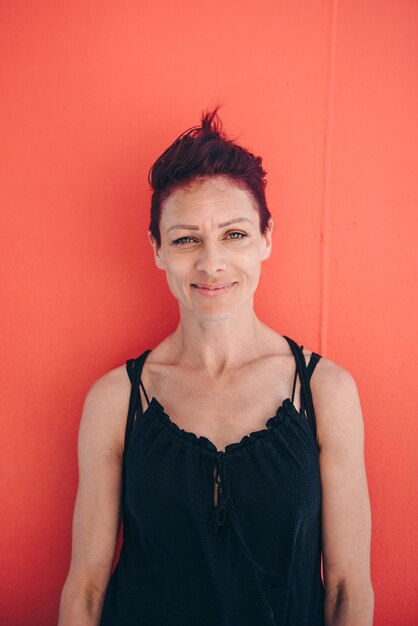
(212, 289)
(211, 285)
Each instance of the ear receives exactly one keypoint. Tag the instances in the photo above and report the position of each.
(159, 261)
(267, 244)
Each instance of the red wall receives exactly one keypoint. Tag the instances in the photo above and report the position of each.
(92, 92)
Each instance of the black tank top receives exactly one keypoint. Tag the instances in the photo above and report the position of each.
(252, 560)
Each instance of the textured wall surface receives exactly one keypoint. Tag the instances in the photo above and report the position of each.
(92, 92)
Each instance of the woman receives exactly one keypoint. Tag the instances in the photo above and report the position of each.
(241, 458)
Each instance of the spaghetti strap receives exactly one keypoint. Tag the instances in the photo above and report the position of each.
(134, 369)
(305, 372)
(133, 372)
(312, 363)
(143, 389)
(314, 359)
(294, 382)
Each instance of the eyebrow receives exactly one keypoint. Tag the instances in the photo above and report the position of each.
(193, 227)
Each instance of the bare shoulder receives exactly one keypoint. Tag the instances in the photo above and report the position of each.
(336, 401)
(97, 509)
(346, 514)
(105, 408)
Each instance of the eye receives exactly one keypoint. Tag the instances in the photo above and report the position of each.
(181, 240)
(238, 233)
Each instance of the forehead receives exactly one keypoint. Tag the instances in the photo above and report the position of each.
(213, 196)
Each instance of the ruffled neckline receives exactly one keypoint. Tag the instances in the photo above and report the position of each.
(284, 410)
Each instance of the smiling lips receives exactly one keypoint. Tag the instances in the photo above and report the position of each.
(212, 289)
(212, 285)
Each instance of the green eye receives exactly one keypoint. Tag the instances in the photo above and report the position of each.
(237, 233)
(181, 240)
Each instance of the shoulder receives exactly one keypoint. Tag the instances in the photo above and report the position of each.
(110, 388)
(346, 515)
(105, 408)
(336, 402)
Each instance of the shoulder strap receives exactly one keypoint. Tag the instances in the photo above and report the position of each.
(134, 369)
(133, 373)
(305, 373)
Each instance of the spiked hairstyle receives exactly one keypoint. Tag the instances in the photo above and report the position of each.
(199, 153)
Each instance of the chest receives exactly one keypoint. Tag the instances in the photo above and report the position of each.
(223, 410)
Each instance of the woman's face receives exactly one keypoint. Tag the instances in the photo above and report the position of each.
(210, 236)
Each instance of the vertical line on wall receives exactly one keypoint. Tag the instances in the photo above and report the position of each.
(326, 183)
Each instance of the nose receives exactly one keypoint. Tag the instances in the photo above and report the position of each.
(211, 258)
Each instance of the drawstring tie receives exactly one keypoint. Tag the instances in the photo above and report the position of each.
(219, 515)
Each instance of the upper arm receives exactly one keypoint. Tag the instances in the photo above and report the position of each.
(96, 520)
(346, 516)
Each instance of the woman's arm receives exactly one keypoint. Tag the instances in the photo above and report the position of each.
(346, 516)
(96, 519)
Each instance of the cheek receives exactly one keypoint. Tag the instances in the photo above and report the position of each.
(177, 265)
(177, 274)
(250, 263)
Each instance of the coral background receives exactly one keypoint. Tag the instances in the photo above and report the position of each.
(326, 91)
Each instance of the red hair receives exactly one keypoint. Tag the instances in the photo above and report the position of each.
(201, 152)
